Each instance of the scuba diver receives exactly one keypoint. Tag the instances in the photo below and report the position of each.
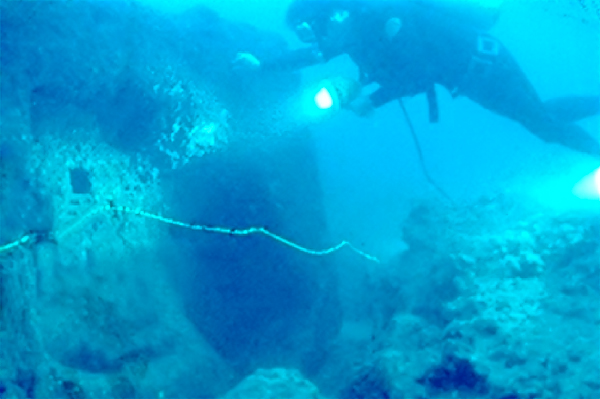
(409, 47)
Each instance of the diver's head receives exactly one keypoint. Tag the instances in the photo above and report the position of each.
(316, 21)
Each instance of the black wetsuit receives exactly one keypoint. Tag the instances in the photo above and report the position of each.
(433, 48)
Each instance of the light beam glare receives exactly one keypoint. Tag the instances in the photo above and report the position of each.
(588, 188)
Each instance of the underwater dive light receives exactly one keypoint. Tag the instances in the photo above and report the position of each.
(323, 99)
(336, 93)
(588, 187)
(328, 97)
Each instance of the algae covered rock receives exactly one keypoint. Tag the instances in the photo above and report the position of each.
(274, 384)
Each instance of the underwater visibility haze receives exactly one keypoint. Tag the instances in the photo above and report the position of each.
(325, 199)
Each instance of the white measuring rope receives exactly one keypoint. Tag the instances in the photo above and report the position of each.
(198, 227)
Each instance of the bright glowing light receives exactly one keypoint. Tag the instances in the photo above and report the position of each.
(597, 181)
(323, 99)
(588, 187)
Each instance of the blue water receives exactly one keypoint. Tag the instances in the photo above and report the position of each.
(287, 257)
(371, 164)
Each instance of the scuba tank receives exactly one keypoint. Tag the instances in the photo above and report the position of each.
(475, 13)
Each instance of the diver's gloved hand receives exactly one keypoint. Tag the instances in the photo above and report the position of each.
(362, 106)
(245, 61)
